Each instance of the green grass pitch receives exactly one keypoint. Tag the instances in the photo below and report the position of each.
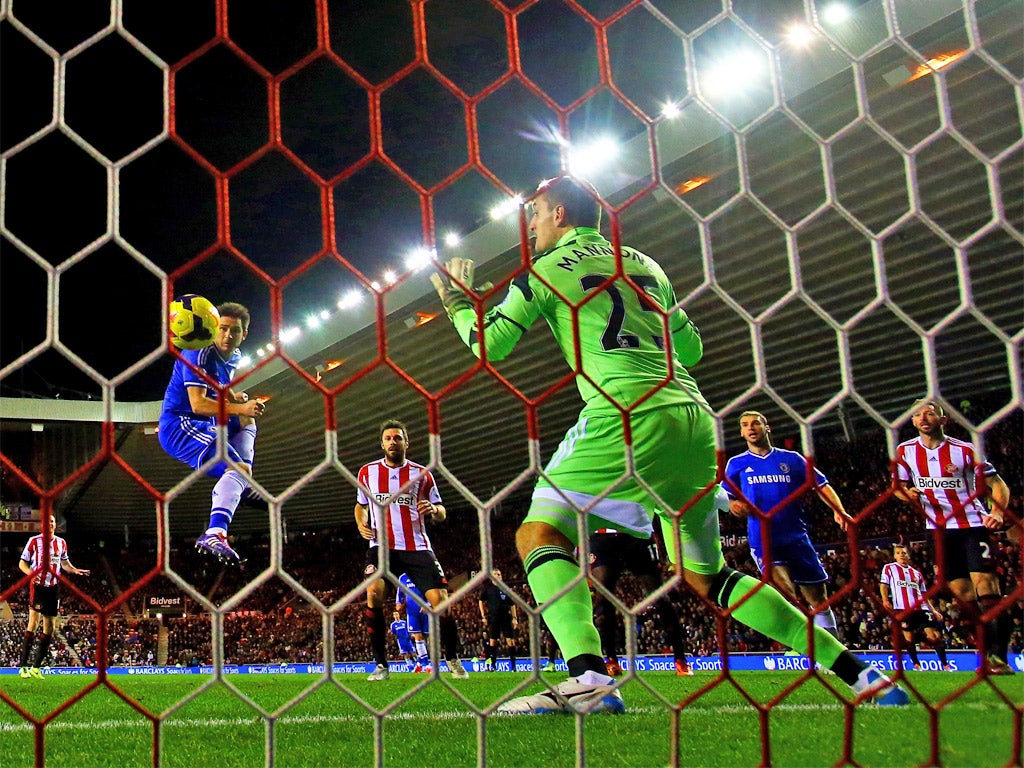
(253, 720)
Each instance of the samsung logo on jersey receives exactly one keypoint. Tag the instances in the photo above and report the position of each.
(386, 498)
(568, 262)
(759, 479)
(941, 483)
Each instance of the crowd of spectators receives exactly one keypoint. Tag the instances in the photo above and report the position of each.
(274, 623)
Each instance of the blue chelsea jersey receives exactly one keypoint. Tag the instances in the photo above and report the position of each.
(766, 481)
(208, 360)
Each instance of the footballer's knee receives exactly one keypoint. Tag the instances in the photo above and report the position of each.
(532, 535)
(699, 582)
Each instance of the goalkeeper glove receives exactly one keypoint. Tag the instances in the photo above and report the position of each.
(454, 286)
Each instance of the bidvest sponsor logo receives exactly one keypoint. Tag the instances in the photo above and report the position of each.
(940, 483)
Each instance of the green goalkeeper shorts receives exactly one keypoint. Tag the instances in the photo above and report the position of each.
(589, 484)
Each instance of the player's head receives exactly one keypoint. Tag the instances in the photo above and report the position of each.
(394, 441)
(929, 418)
(754, 429)
(901, 554)
(562, 204)
(233, 327)
(497, 573)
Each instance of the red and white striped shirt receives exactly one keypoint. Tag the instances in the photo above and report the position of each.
(906, 585)
(947, 477)
(393, 495)
(36, 552)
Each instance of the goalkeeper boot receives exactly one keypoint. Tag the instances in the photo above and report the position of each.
(872, 685)
(23, 672)
(216, 544)
(35, 673)
(569, 696)
(683, 669)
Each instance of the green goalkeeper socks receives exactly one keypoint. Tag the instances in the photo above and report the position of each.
(772, 615)
(570, 617)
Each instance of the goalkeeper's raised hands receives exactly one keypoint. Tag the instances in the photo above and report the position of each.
(455, 283)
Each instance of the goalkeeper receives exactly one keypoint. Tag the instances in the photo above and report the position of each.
(634, 344)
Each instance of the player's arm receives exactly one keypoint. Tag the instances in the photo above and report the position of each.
(427, 508)
(67, 566)
(829, 496)
(906, 491)
(503, 325)
(25, 566)
(999, 493)
(686, 340)
(737, 506)
(204, 405)
(362, 515)
(883, 590)
(483, 611)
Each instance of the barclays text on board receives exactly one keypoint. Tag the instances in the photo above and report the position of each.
(959, 661)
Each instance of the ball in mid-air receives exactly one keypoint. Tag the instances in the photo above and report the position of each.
(192, 321)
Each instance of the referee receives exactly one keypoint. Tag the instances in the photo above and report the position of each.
(501, 620)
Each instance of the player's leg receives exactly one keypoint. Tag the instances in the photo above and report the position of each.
(934, 638)
(998, 627)
(668, 618)
(981, 565)
(227, 493)
(910, 643)
(44, 638)
(374, 621)
(816, 596)
(510, 645)
(550, 568)
(492, 644)
(193, 442)
(780, 578)
(29, 639)
(970, 571)
(588, 462)
(426, 573)
(605, 571)
(242, 436)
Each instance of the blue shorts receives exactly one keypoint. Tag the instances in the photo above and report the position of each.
(194, 441)
(404, 643)
(799, 557)
(417, 619)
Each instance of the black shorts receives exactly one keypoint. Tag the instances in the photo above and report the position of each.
(620, 551)
(498, 624)
(966, 551)
(420, 564)
(44, 600)
(917, 622)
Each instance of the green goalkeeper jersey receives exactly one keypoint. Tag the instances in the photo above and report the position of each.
(622, 347)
